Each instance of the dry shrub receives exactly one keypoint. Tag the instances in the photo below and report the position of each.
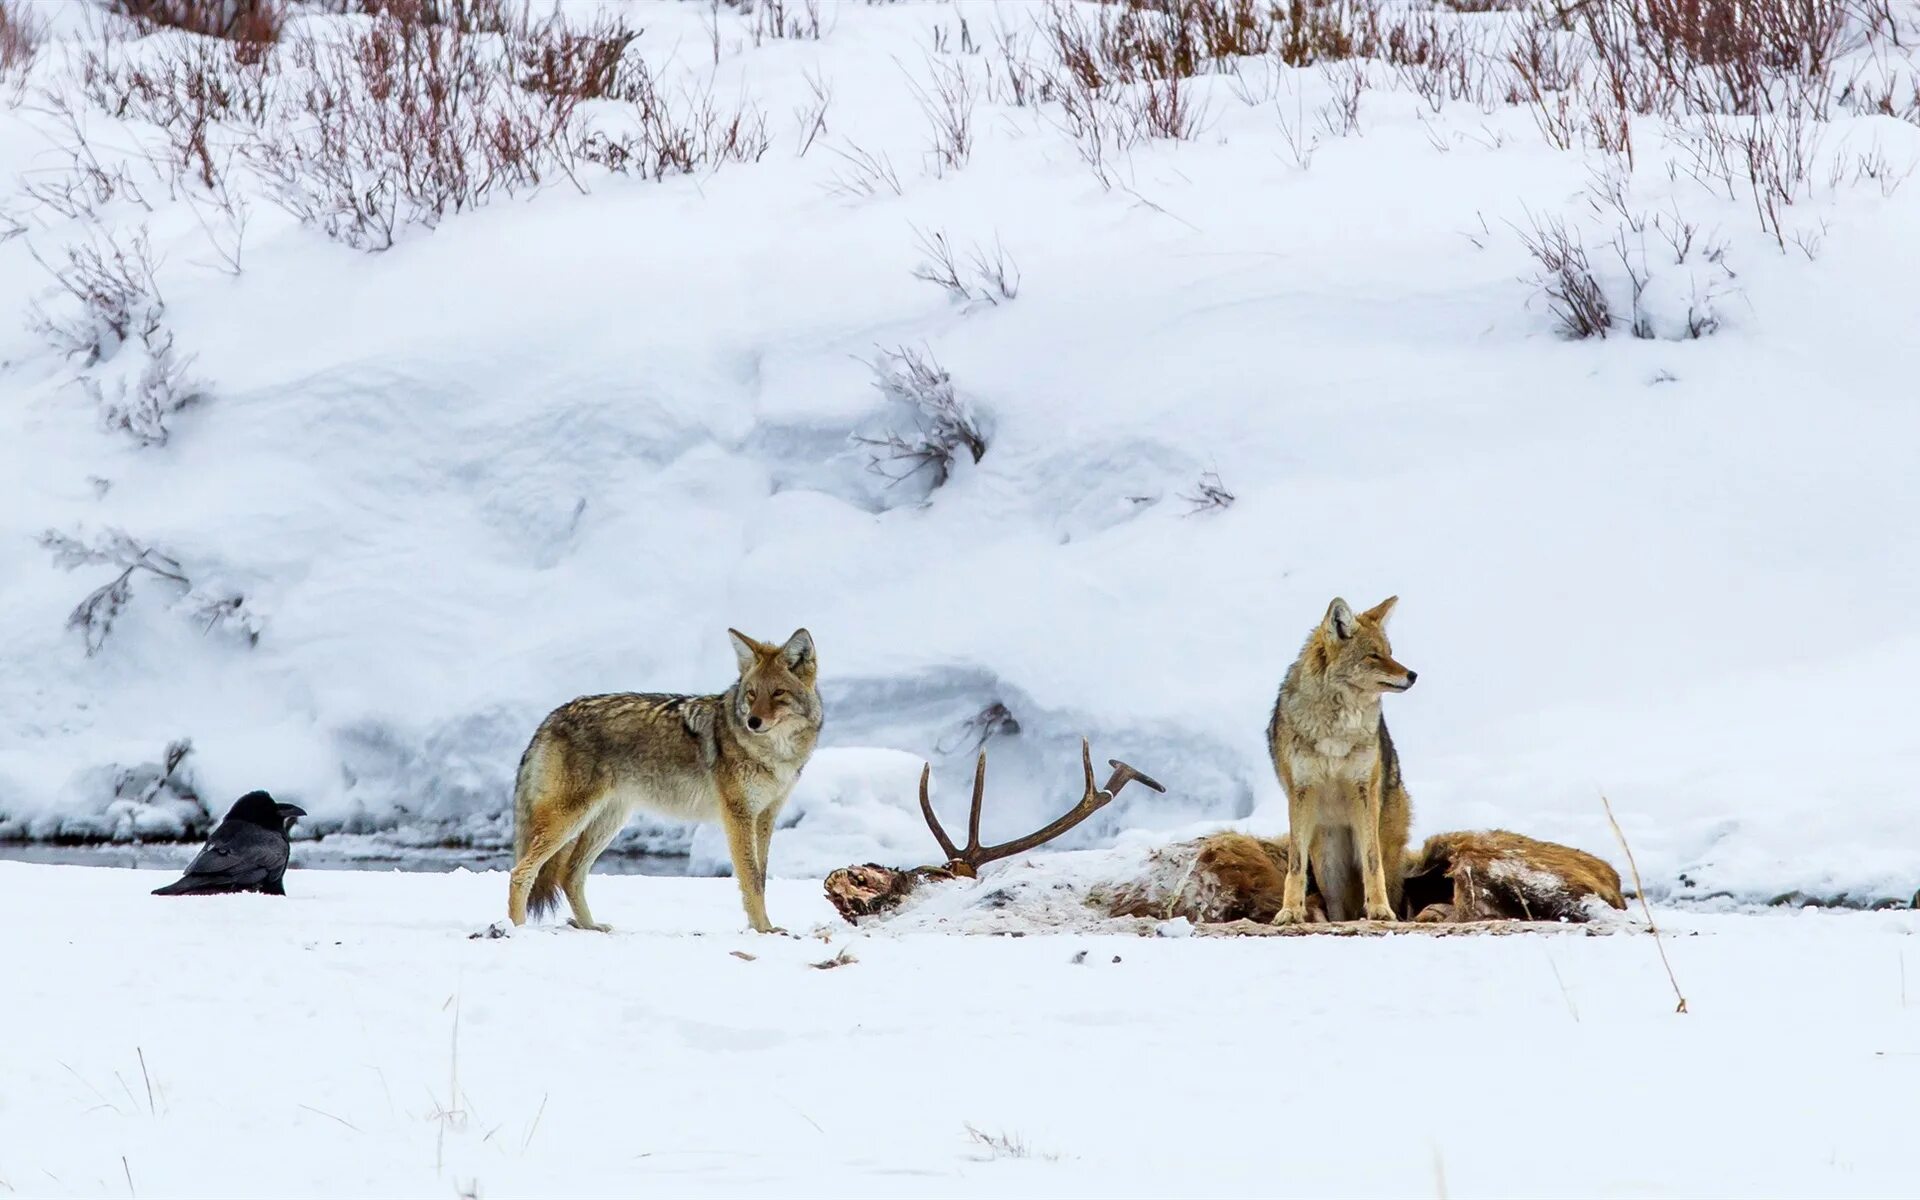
(402, 124)
(1139, 40)
(680, 135)
(188, 92)
(429, 108)
(252, 25)
(1773, 157)
(1587, 68)
(944, 423)
(466, 16)
(94, 617)
(20, 33)
(979, 276)
(1170, 39)
(1118, 66)
(1567, 279)
(110, 282)
(585, 63)
(785, 20)
(948, 100)
(113, 305)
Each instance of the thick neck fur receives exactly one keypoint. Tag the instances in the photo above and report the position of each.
(1326, 714)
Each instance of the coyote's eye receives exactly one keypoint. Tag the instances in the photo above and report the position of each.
(779, 694)
(753, 694)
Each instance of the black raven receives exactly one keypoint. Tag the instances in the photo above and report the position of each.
(247, 852)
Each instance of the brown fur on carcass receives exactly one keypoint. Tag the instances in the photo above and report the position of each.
(1226, 877)
(1477, 876)
(1495, 874)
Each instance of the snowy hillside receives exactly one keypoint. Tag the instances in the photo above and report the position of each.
(557, 437)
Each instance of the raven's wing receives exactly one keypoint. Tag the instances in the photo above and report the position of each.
(238, 857)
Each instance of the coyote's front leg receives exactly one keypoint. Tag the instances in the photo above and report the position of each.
(763, 840)
(1301, 829)
(1373, 870)
(738, 820)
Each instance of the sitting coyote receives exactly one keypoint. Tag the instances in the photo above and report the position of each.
(1347, 810)
(731, 758)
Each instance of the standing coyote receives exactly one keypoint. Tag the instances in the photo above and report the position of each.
(1347, 810)
(731, 758)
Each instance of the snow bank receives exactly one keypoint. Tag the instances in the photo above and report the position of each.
(558, 444)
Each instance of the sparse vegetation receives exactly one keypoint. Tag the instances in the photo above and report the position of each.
(251, 25)
(403, 124)
(863, 174)
(944, 424)
(947, 98)
(784, 20)
(113, 302)
(95, 616)
(973, 734)
(977, 276)
(115, 299)
(990, 1146)
(1574, 295)
(425, 109)
(1209, 495)
(20, 33)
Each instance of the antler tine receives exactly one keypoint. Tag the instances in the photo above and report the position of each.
(1091, 801)
(1124, 774)
(926, 810)
(979, 792)
(975, 855)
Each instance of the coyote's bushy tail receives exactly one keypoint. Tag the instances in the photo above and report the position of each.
(545, 893)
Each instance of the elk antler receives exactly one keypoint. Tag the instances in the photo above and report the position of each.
(968, 861)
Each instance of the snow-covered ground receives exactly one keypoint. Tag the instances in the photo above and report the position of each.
(352, 1039)
(559, 443)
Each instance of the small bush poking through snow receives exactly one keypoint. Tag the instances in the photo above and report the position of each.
(252, 25)
(403, 124)
(995, 720)
(947, 99)
(1654, 275)
(111, 282)
(466, 16)
(1002, 1145)
(986, 278)
(1209, 495)
(158, 798)
(1574, 295)
(116, 303)
(865, 174)
(585, 63)
(94, 617)
(139, 403)
(783, 20)
(945, 423)
(436, 108)
(19, 38)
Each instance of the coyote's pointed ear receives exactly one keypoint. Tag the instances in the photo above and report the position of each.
(1339, 619)
(1378, 613)
(798, 653)
(745, 649)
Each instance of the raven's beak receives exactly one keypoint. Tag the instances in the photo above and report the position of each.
(290, 812)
